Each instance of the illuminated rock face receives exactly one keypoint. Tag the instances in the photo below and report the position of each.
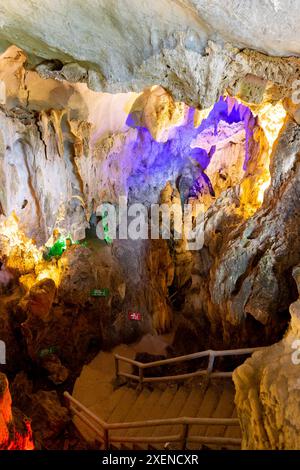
(15, 429)
(268, 391)
(83, 121)
(39, 149)
(57, 166)
(151, 162)
(65, 149)
(252, 277)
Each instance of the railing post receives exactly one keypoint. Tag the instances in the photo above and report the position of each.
(67, 401)
(185, 433)
(117, 367)
(141, 375)
(210, 363)
(106, 439)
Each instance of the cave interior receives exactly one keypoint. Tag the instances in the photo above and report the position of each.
(152, 221)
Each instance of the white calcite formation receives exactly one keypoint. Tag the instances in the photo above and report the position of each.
(46, 127)
(268, 391)
(193, 48)
(65, 149)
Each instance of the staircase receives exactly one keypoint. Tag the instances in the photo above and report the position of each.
(155, 413)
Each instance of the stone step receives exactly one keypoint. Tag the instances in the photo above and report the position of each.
(190, 409)
(127, 404)
(157, 410)
(88, 434)
(124, 406)
(103, 410)
(172, 411)
(143, 414)
(136, 410)
(205, 410)
(106, 408)
(224, 409)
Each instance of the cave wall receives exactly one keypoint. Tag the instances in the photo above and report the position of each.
(66, 148)
(66, 145)
(195, 49)
(82, 143)
(245, 266)
(46, 126)
(267, 392)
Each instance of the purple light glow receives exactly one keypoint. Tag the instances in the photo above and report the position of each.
(154, 163)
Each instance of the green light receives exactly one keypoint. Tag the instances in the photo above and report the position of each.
(58, 248)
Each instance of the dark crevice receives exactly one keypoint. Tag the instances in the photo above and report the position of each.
(251, 266)
(40, 133)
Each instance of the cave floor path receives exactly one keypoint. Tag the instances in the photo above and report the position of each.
(96, 389)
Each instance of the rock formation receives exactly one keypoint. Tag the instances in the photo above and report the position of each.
(15, 428)
(148, 142)
(170, 102)
(268, 390)
(164, 42)
(249, 264)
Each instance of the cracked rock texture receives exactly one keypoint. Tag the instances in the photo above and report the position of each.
(268, 391)
(251, 274)
(191, 47)
(241, 280)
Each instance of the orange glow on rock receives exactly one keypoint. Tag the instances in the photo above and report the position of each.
(22, 441)
(15, 428)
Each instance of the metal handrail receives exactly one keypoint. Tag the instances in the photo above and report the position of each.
(211, 354)
(102, 428)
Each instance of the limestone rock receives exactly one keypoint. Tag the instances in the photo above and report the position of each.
(65, 149)
(62, 331)
(21, 389)
(70, 335)
(49, 417)
(57, 372)
(243, 272)
(248, 24)
(156, 110)
(147, 284)
(125, 45)
(40, 299)
(268, 391)
(14, 358)
(50, 118)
